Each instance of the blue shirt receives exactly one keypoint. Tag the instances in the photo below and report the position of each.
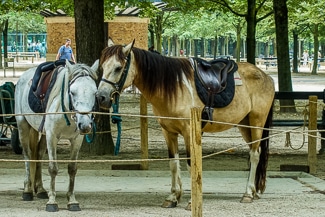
(65, 52)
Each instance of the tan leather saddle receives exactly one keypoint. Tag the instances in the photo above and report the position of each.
(43, 84)
(213, 77)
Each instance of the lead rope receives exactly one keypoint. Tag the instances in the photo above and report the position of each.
(116, 119)
(288, 139)
(88, 139)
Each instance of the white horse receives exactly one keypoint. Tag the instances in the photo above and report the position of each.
(74, 90)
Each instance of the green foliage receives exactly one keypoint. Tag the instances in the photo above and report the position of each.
(27, 22)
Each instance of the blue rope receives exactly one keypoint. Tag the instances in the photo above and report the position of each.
(88, 139)
(116, 119)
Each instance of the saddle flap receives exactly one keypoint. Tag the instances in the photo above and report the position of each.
(43, 84)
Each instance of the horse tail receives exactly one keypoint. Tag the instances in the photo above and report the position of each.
(260, 178)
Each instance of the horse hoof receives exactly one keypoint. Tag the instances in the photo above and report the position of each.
(52, 207)
(189, 207)
(169, 204)
(42, 195)
(27, 196)
(74, 207)
(246, 199)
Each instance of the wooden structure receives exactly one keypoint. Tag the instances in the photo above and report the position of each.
(122, 29)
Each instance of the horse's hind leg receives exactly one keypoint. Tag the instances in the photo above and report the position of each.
(38, 185)
(28, 139)
(256, 155)
(73, 204)
(176, 189)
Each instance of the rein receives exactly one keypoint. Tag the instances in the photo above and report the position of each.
(115, 96)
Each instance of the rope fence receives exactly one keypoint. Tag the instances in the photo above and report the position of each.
(273, 131)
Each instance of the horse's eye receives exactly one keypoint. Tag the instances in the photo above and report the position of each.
(118, 69)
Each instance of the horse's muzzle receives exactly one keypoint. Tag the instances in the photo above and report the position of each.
(104, 101)
(84, 122)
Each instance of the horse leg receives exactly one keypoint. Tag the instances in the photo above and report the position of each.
(176, 190)
(73, 204)
(256, 152)
(38, 184)
(27, 139)
(52, 141)
(188, 155)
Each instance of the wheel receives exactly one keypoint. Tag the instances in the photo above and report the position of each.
(15, 143)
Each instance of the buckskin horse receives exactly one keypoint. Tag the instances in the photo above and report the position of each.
(71, 88)
(174, 85)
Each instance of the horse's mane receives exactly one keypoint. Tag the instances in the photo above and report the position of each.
(159, 74)
(64, 73)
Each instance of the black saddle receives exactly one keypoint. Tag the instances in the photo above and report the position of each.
(214, 81)
(45, 67)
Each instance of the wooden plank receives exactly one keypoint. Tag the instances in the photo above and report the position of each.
(298, 95)
(290, 167)
(196, 162)
(312, 142)
(59, 19)
(126, 166)
(128, 19)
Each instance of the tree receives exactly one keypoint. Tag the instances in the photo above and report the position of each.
(90, 39)
(7, 8)
(284, 74)
(251, 10)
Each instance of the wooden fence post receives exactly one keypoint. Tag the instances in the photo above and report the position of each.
(312, 142)
(196, 162)
(144, 133)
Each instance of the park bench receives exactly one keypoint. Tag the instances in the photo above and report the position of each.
(24, 55)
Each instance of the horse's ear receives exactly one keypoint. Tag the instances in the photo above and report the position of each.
(67, 63)
(94, 68)
(110, 42)
(127, 48)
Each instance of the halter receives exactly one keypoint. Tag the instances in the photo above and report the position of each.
(119, 85)
(116, 119)
(72, 109)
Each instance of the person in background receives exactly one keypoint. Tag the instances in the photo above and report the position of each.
(305, 55)
(65, 52)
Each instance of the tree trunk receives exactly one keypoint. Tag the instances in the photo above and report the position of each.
(295, 53)
(159, 30)
(316, 45)
(5, 40)
(284, 74)
(251, 30)
(238, 44)
(90, 41)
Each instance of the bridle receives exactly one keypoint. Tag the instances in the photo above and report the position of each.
(116, 119)
(120, 83)
(71, 107)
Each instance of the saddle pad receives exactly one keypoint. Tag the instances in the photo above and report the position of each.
(35, 103)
